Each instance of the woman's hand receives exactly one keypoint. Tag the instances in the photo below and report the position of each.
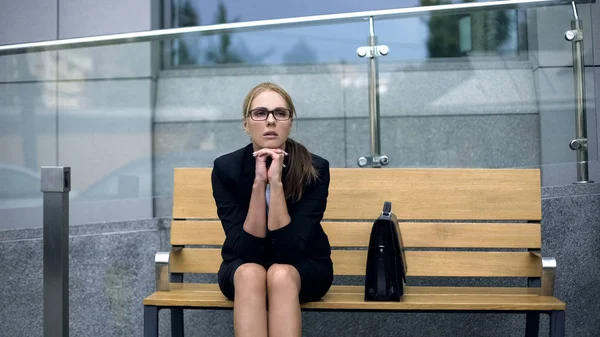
(260, 175)
(273, 173)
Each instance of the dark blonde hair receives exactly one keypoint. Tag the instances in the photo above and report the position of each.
(300, 167)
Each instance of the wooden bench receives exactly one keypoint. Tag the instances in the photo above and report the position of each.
(457, 223)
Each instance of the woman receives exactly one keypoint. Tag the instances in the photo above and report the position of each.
(271, 196)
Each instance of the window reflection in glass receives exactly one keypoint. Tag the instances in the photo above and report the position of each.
(477, 34)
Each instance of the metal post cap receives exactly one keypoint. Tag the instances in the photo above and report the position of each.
(56, 179)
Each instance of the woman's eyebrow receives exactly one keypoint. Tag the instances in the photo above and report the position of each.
(262, 107)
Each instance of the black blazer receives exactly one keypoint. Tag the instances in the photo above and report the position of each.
(232, 180)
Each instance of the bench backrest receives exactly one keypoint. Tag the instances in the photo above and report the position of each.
(489, 209)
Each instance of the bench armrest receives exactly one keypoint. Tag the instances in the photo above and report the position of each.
(548, 273)
(161, 262)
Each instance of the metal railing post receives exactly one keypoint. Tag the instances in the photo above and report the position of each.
(56, 184)
(373, 51)
(580, 143)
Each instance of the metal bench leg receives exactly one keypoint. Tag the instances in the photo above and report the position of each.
(177, 322)
(557, 324)
(532, 326)
(176, 313)
(150, 321)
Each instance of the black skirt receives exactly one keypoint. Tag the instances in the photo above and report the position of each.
(316, 277)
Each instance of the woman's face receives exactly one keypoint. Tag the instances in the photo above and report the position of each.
(269, 121)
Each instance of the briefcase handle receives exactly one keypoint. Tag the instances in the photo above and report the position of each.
(387, 208)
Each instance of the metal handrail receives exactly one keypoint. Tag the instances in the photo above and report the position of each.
(146, 36)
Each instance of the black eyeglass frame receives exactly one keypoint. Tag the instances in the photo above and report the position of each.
(272, 112)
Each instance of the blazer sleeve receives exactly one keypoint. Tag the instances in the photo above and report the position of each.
(291, 242)
(232, 215)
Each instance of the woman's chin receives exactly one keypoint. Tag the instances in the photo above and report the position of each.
(270, 144)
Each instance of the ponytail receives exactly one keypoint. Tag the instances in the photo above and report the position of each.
(301, 170)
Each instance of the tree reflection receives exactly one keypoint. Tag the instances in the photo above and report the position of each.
(221, 51)
(487, 32)
(187, 17)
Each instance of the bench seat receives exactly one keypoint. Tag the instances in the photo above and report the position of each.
(352, 298)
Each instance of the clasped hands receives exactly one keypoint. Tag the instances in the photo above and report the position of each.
(272, 173)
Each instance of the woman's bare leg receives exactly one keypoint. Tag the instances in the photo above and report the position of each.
(283, 288)
(250, 303)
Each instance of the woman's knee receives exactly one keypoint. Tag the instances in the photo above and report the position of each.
(283, 277)
(250, 276)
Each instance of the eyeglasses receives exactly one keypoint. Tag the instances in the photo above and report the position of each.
(262, 114)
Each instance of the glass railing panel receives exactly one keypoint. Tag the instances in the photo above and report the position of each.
(28, 134)
(481, 92)
(552, 61)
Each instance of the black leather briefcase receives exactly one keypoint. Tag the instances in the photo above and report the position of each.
(386, 262)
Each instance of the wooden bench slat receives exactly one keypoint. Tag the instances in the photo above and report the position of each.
(436, 194)
(419, 194)
(208, 232)
(415, 235)
(411, 290)
(442, 264)
(414, 299)
(420, 263)
(192, 194)
(472, 235)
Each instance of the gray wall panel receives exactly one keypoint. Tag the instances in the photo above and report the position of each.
(24, 21)
(220, 96)
(450, 141)
(444, 92)
(88, 17)
(28, 21)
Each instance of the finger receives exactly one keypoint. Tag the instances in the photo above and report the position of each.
(261, 153)
(267, 150)
(264, 156)
(267, 154)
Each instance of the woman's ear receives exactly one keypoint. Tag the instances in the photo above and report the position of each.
(245, 125)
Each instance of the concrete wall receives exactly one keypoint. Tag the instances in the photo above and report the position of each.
(111, 271)
(90, 109)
